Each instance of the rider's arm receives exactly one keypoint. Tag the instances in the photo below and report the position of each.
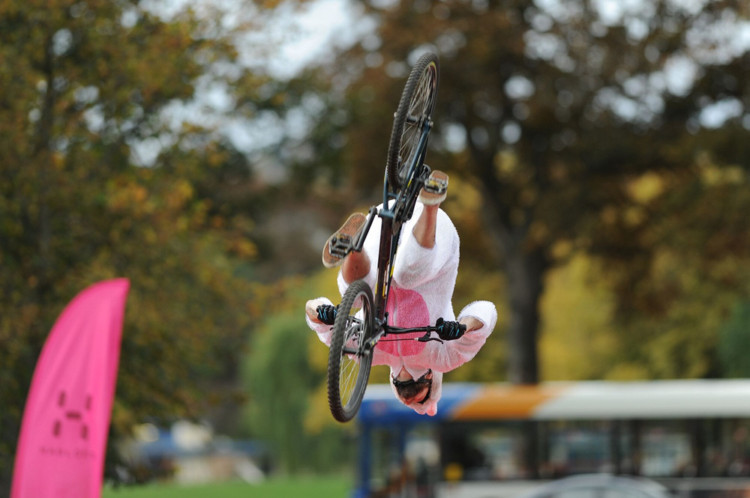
(324, 331)
(453, 354)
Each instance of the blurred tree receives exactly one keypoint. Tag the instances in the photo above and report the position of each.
(478, 278)
(581, 342)
(734, 345)
(103, 175)
(279, 377)
(689, 267)
(284, 375)
(554, 110)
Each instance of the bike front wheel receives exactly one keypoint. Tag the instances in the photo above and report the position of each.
(350, 358)
(414, 111)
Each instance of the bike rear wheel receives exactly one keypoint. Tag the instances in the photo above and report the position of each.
(349, 360)
(414, 109)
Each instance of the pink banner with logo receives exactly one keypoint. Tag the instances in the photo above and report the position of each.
(65, 424)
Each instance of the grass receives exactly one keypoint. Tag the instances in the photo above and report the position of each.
(311, 487)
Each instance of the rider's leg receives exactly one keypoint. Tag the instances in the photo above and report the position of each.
(424, 229)
(431, 196)
(356, 266)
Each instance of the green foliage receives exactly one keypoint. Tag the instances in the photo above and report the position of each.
(578, 340)
(278, 376)
(284, 375)
(90, 87)
(679, 275)
(734, 342)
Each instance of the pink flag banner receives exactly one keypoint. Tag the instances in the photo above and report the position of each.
(66, 421)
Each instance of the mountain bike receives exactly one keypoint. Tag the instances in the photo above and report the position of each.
(361, 320)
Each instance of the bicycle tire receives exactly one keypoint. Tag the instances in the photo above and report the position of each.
(417, 104)
(348, 374)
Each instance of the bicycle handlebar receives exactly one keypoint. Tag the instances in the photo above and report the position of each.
(427, 330)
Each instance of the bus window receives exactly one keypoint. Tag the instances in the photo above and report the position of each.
(578, 447)
(481, 451)
(666, 450)
(737, 449)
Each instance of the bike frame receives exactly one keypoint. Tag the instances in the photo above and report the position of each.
(396, 210)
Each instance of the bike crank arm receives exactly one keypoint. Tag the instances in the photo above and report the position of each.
(360, 242)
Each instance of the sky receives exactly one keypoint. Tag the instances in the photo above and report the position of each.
(301, 34)
(323, 24)
(298, 37)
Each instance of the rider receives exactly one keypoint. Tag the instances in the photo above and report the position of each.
(424, 276)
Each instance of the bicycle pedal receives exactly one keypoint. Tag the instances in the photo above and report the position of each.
(435, 185)
(340, 246)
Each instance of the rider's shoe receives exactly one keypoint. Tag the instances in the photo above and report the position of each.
(340, 243)
(435, 189)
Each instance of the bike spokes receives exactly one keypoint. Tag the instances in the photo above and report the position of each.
(349, 360)
(420, 110)
(412, 123)
(350, 365)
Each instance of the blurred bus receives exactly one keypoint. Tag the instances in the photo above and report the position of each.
(690, 435)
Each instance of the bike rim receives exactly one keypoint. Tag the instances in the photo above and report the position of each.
(349, 365)
(420, 109)
(353, 360)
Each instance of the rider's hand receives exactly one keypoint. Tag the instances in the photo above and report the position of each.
(327, 313)
(449, 331)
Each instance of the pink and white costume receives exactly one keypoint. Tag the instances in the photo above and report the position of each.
(421, 292)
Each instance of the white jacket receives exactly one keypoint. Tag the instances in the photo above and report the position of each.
(421, 292)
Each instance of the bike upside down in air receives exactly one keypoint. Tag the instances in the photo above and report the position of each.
(398, 268)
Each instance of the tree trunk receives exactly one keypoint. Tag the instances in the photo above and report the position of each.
(525, 267)
(525, 271)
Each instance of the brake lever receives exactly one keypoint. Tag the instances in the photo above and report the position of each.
(427, 338)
